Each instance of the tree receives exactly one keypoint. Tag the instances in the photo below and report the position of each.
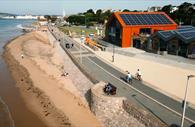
(98, 12)
(104, 16)
(76, 19)
(126, 10)
(185, 13)
(90, 11)
(167, 9)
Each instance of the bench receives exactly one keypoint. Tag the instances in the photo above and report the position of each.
(110, 89)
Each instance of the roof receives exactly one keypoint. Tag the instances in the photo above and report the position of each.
(185, 33)
(143, 18)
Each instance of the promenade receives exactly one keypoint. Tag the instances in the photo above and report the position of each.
(162, 104)
(98, 64)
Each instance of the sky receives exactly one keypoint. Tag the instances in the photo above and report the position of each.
(43, 7)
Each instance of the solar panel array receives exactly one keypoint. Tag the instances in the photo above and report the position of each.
(166, 34)
(188, 34)
(145, 19)
(184, 27)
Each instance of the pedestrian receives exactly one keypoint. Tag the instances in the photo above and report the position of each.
(22, 56)
(138, 74)
(129, 77)
(72, 45)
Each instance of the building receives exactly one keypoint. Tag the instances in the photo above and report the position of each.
(154, 9)
(42, 20)
(127, 29)
(173, 9)
(176, 42)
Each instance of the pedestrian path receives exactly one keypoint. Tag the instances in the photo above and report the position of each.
(138, 93)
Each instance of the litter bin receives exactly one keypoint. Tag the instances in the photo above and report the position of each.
(67, 46)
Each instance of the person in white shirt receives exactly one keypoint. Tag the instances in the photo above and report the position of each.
(129, 77)
(138, 74)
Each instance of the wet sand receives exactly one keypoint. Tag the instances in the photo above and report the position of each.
(52, 101)
(10, 94)
(5, 116)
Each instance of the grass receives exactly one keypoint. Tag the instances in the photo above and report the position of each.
(76, 29)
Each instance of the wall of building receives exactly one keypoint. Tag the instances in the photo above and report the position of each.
(128, 32)
(118, 111)
(173, 46)
(191, 47)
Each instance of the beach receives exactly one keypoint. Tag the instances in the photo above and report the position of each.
(37, 67)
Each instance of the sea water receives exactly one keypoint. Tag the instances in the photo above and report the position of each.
(21, 115)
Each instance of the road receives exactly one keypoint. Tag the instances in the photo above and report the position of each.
(141, 95)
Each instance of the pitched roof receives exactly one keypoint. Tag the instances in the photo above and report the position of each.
(143, 18)
(185, 33)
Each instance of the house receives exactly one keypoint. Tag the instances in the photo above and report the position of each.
(176, 42)
(126, 29)
(154, 9)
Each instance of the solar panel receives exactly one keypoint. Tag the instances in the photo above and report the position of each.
(145, 19)
(188, 34)
(166, 34)
(184, 27)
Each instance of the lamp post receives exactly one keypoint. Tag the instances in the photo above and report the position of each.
(82, 39)
(185, 100)
(80, 50)
(113, 54)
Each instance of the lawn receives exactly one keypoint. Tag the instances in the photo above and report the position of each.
(76, 29)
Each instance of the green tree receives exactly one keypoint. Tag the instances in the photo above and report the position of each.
(126, 10)
(167, 9)
(98, 12)
(90, 11)
(185, 13)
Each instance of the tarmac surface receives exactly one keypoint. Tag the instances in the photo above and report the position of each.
(151, 100)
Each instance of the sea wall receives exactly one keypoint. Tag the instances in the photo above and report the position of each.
(115, 111)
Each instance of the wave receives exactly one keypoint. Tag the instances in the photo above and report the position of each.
(19, 26)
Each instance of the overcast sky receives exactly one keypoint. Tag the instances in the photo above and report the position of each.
(74, 6)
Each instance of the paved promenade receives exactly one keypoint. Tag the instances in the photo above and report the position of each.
(160, 105)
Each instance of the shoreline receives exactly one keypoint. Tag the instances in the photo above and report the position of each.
(27, 90)
(6, 120)
(51, 112)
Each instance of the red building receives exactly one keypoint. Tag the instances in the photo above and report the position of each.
(124, 28)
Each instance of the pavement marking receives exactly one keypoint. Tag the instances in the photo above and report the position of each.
(142, 92)
(76, 52)
(83, 55)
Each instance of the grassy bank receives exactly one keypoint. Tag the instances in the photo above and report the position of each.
(76, 29)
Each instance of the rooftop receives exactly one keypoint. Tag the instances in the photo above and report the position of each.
(143, 18)
(185, 33)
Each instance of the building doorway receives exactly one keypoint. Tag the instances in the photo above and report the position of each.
(137, 43)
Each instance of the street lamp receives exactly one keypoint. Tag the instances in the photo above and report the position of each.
(82, 39)
(185, 98)
(113, 54)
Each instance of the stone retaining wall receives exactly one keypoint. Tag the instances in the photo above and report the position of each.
(109, 109)
(142, 116)
(113, 111)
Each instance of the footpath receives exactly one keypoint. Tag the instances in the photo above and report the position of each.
(163, 81)
(167, 75)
